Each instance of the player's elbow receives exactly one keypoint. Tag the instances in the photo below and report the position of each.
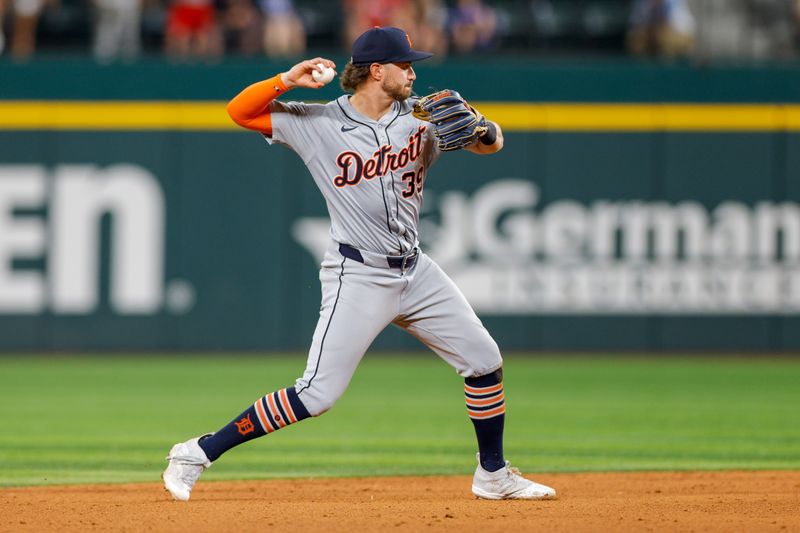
(235, 113)
(261, 123)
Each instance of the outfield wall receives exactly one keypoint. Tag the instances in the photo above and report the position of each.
(633, 207)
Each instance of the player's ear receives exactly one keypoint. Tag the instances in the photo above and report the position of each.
(376, 71)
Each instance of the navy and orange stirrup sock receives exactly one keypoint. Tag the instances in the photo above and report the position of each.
(486, 407)
(269, 413)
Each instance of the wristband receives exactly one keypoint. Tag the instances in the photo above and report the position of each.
(490, 136)
(277, 84)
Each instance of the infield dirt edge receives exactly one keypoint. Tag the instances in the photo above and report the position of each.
(638, 501)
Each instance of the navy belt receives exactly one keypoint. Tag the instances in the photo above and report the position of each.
(402, 262)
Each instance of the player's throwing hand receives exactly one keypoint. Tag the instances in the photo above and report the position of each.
(300, 74)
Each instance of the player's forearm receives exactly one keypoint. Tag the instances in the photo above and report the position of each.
(250, 108)
(491, 142)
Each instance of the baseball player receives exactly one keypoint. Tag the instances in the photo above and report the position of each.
(370, 153)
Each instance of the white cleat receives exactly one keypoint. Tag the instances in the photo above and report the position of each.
(187, 460)
(508, 484)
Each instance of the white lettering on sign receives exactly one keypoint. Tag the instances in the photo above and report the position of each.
(133, 199)
(510, 256)
(77, 198)
(21, 237)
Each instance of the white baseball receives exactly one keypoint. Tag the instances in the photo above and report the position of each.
(325, 76)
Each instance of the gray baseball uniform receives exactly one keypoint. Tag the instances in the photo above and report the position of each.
(372, 175)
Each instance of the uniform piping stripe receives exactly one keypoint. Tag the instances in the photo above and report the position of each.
(488, 414)
(263, 417)
(322, 342)
(287, 406)
(380, 165)
(483, 390)
(410, 109)
(274, 410)
(399, 109)
(394, 189)
(487, 401)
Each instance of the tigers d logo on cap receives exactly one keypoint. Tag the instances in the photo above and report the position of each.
(385, 45)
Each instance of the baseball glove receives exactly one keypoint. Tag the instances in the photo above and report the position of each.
(456, 123)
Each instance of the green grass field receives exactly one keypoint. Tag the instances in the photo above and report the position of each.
(93, 419)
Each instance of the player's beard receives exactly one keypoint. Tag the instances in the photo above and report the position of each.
(396, 90)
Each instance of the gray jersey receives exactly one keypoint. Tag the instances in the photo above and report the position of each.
(371, 173)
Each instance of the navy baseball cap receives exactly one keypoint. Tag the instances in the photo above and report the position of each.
(385, 45)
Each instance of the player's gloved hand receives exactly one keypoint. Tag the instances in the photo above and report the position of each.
(456, 123)
(300, 74)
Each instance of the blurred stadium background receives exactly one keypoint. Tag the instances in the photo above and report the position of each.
(646, 202)
(646, 198)
(701, 29)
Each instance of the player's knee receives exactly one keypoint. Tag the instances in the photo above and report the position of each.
(489, 361)
(485, 380)
(317, 401)
(322, 406)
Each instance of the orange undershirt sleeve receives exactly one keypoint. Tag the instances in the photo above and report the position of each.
(250, 108)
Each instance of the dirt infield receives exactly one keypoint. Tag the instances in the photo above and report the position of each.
(686, 501)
